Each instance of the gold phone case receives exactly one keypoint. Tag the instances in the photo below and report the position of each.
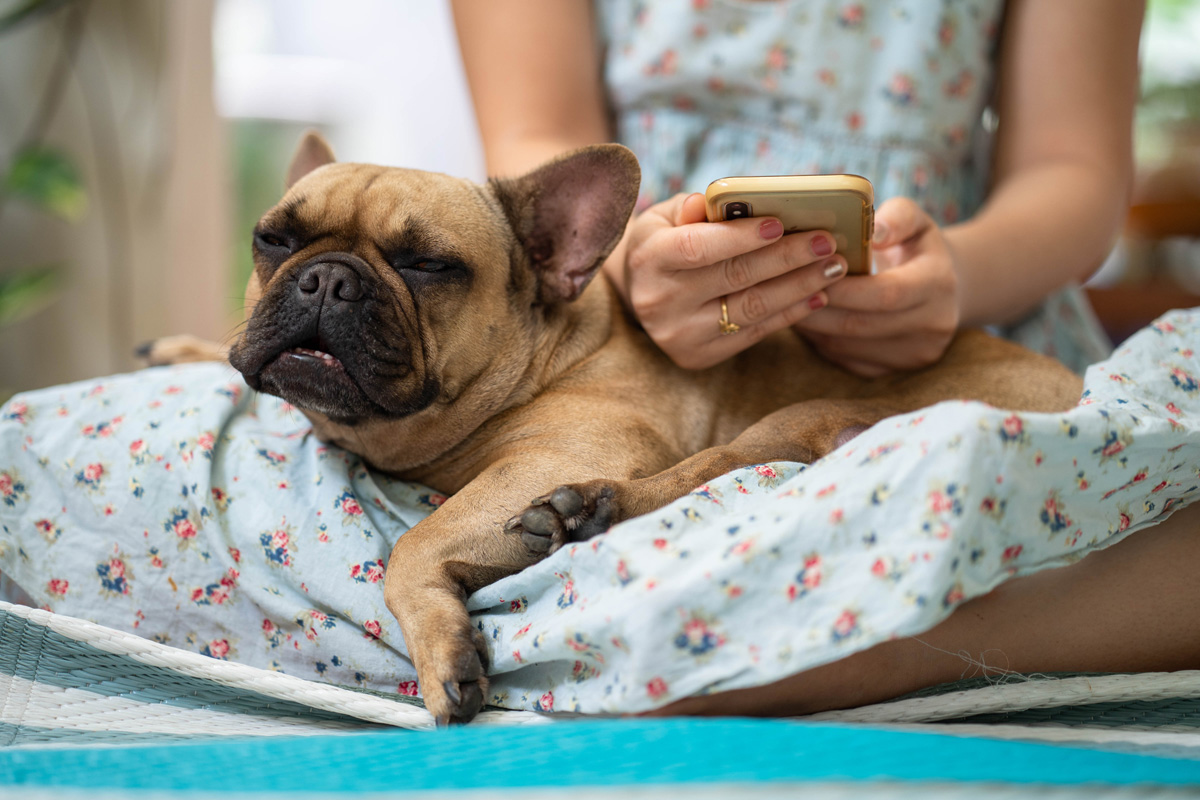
(844, 205)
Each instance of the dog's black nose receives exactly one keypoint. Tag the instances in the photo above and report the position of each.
(330, 278)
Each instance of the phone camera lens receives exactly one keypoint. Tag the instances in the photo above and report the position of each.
(737, 210)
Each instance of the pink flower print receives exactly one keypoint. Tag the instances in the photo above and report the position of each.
(845, 626)
(697, 636)
(836, 516)
(58, 586)
(6, 485)
(623, 576)
(901, 90)
(546, 702)
(960, 86)
(137, 447)
(1053, 516)
(1011, 552)
(367, 572)
(810, 576)
(663, 65)
(715, 84)
(766, 470)
(89, 477)
(939, 502)
(953, 597)
(1159, 488)
(1123, 522)
(518, 606)
(656, 688)
(373, 628)
(851, 16)
(277, 546)
(407, 688)
(880, 568)
(947, 31)
(1183, 380)
(236, 555)
(351, 506)
(701, 5)
(660, 544)
(827, 77)
(828, 490)
(272, 458)
(699, 31)
(217, 648)
(1012, 428)
(16, 412)
(955, 136)
(155, 559)
(185, 529)
(777, 57)
(1174, 409)
(567, 597)
(113, 576)
(205, 441)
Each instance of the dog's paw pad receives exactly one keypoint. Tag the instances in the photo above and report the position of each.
(568, 514)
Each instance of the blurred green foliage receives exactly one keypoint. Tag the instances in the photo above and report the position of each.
(46, 178)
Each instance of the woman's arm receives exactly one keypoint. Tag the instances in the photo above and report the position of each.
(535, 76)
(1064, 162)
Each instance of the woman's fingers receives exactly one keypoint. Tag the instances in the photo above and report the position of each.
(899, 220)
(722, 347)
(769, 297)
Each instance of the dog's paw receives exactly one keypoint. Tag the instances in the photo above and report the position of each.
(572, 513)
(180, 350)
(453, 677)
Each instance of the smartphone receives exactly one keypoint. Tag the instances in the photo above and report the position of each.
(844, 205)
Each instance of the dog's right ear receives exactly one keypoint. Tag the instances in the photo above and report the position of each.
(313, 152)
(570, 213)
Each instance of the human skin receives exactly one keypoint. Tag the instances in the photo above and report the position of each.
(1061, 175)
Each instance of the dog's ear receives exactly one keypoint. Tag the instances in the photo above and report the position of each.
(570, 213)
(313, 152)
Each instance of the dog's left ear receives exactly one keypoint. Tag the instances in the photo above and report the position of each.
(570, 213)
(312, 152)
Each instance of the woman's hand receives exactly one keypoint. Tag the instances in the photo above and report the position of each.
(905, 316)
(676, 269)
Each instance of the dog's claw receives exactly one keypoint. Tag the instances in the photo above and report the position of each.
(442, 721)
(452, 692)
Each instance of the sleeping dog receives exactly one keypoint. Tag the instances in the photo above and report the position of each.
(449, 333)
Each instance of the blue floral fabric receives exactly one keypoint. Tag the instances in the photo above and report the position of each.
(180, 505)
(895, 92)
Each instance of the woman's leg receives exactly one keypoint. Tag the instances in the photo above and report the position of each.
(1133, 607)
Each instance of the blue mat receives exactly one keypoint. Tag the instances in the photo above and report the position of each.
(591, 753)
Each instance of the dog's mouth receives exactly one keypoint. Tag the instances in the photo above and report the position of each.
(314, 353)
(311, 375)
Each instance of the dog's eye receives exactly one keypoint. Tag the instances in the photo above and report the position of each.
(429, 266)
(271, 241)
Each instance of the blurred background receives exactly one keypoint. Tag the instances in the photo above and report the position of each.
(141, 139)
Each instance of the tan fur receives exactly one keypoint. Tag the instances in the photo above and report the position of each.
(571, 394)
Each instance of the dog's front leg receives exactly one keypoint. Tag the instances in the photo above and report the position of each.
(466, 544)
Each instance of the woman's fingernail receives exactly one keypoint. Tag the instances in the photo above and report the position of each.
(771, 229)
(817, 301)
(834, 268)
(881, 232)
(822, 246)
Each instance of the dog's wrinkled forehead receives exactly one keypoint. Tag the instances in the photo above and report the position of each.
(397, 212)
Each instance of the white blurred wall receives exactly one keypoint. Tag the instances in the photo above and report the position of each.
(381, 76)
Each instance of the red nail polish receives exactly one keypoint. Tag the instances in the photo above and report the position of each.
(821, 246)
(771, 229)
(816, 301)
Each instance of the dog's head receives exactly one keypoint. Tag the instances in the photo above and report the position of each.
(383, 294)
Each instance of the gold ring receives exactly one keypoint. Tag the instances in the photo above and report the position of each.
(727, 327)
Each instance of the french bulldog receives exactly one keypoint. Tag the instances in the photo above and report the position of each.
(450, 333)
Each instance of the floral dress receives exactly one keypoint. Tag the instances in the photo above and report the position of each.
(182, 506)
(896, 92)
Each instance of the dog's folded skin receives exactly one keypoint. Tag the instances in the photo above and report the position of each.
(447, 333)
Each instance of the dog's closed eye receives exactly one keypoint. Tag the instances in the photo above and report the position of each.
(270, 242)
